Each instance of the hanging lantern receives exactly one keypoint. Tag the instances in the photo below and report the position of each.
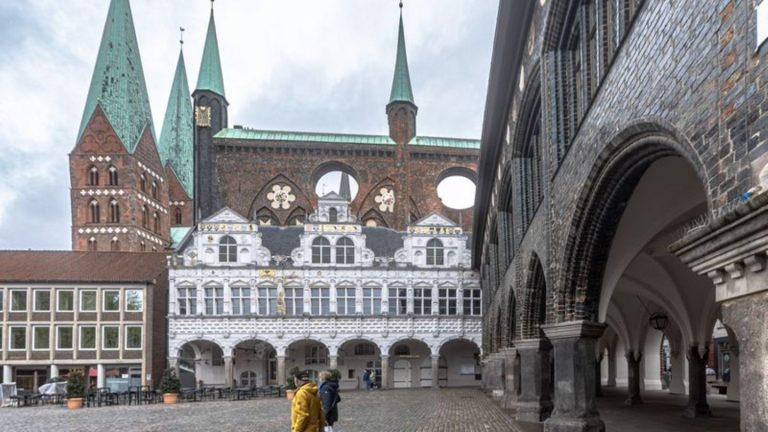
(659, 321)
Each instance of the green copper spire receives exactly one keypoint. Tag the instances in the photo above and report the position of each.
(210, 77)
(118, 79)
(401, 84)
(176, 138)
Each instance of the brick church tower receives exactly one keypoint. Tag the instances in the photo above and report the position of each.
(119, 190)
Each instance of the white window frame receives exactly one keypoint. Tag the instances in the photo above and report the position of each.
(266, 301)
(324, 250)
(26, 300)
(34, 337)
(228, 251)
(320, 300)
(104, 338)
(80, 337)
(241, 301)
(294, 304)
(437, 252)
(190, 302)
(470, 300)
(34, 299)
(216, 301)
(370, 301)
(141, 343)
(343, 300)
(58, 346)
(347, 256)
(125, 299)
(95, 303)
(316, 354)
(422, 304)
(446, 300)
(10, 338)
(394, 301)
(104, 295)
(59, 292)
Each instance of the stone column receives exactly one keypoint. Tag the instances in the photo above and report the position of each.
(54, 371)
(334, 361)
(435, 371)
(511, 378)
(228, 371)
(534, 404)
(697, 384)
(100, 376)
(575, 344)
(633, 378)
(611, 382)
(598, 383)
(7, 374)
(384, 371)
(734, 384)
(281, 370)
(677, 380)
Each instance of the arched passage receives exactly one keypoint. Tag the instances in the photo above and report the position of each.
(406, 357)
(462, 367)
(307, 354)
(354, 358)
(255, 363)
(200, 363)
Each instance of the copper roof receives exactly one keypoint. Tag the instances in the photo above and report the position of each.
(67, 266)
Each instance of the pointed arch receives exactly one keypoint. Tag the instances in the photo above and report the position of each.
(534, 312)
(369, 202)
(373, 218)
(265, 216)
(261, 202)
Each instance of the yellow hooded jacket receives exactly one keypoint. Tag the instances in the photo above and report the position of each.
(307, 410)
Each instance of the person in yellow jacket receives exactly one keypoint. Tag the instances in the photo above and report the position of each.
(306, 408)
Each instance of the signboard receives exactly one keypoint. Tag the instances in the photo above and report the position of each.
(327, 228)
(434, 230)
(228, 227)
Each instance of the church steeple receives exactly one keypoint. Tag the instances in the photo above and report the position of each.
(118, 85)
(344, 189)
(210, 77)
(401, 109)
(176, 137)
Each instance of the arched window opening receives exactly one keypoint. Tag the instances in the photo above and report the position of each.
(143, 182)
(95, 215)
(114, 211)
(321, 251)
(92, 246)
(333, 215)
(154, 189)
(112, 175)
(435, 252)
(345, 251)
(227, 250)
(114, 246)
(143, 246)
(93, 176)
(178, 216)
(144, 217)
(156, 219)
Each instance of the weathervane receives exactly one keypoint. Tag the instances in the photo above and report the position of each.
(181, 35)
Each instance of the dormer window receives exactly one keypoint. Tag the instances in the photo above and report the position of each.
(333, 215)
(435, 252)
(321, 251)
(345, 251)
(227, 250)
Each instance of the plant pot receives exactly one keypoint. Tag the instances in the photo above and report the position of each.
(170, 398)
(289, 394)
(74, 403)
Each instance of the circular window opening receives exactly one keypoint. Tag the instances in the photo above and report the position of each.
(456, 192)
(338, 182)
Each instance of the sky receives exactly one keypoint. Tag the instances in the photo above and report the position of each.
(304, 65)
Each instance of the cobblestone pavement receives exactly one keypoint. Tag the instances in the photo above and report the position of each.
(425, 410)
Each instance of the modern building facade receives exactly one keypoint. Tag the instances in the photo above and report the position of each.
(104, 312)
(621, 204)
(249, 301)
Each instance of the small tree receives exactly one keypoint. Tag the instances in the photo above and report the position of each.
(75, 385)
(335, 374)
(289, 383)
(169, 383)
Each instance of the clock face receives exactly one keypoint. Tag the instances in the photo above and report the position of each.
(203, 116)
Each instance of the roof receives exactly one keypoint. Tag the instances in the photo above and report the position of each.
(68, 266)
(175, 145)
(384, 242)
(281, 240)
(401, 82)
(321, 137)
(210, 76)
(117, 84)
(178, 234)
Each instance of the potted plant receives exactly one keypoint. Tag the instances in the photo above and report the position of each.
(170, 386)
(290, 385)
(75, 389)
(335, 374)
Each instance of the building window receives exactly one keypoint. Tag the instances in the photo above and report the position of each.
(143, 182)
(2, 297)
(315, 355)
(321, 301)
(65, 301)
(345, 251)
(64, 337)
(294, 301)
(447, 300)
(18, 337)
(110, 337)
(156, 219)
(371, 301)
(177, 216)
(364, 349)
(248, 379)
(41, 338)
(111, 301)
(333, 215)
(434, 252)
(18, 300)
(345, 301)
(472, 301)
(241, 301)
(402, 350)
(422, 301)
(398, 301)
(267, 301)
(95, 213)
(214, 301)
(87, 338)
(134, 301)
(227, 250)
(92, 245)
(144, 217)
(154, 189)
(133, 337)
(114, 211)
(87, 301)
(114, 245)
(112, 175)
(321, 251)
(93, 176)
(187, 300)
(42, 300)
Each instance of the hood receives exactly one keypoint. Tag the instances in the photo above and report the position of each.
(333, 384)
(309, 387)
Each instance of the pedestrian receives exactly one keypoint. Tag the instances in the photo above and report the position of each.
(366, 380)
(329, 395)
(373, 379)
(306, 408)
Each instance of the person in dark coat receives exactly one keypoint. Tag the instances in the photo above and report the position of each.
(329, 395)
